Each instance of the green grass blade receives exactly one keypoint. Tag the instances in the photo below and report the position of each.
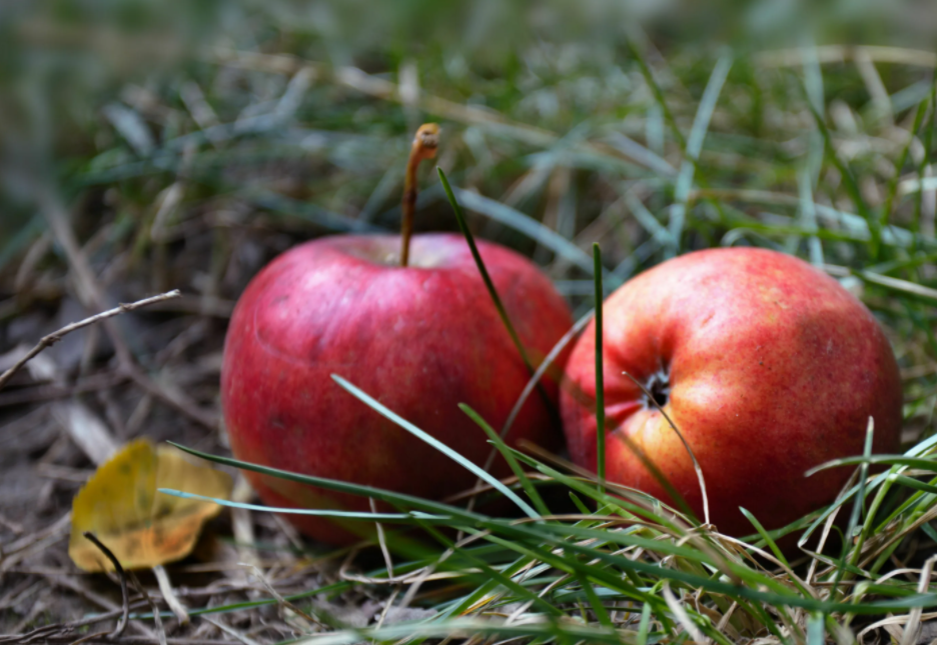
(599, 371)
(591, 491)
(764, 536)
(517, 535)
(317, 512)
(644, 625)
(578, 503)
(530, 227)
(921, 463)
(856, 513)
(384, 411)
(379, 494)
(926, 157)
(910, 482)
(594, 602)
(549, 361)
(498, 577)
(498, 442)
(656, 90)
(470, 239)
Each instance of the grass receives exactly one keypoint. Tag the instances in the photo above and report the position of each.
(645, 153)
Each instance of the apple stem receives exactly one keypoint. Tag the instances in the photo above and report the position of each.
(424, 146)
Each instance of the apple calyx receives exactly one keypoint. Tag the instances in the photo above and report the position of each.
(657, 390)
(424, 146)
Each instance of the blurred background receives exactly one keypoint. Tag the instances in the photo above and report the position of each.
(148, 145)
(299, 113)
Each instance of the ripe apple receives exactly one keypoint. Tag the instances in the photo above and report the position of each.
(411, 323)
(421, 339)
(766, 365)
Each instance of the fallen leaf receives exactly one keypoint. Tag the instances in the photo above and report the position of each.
(143, 528)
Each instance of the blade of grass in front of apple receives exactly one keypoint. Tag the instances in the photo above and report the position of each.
(435, 443)
(496, 299)
(498, 442)
(591, 491)
(599, 371)
(391, 497)
(765, 536)
(483, 270)
(534, 380)
(504, 214)
(319, 512)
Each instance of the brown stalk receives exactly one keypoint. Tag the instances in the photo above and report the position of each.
(424, 146)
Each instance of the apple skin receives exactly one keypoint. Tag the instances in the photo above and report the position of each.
(773, 366)
(419, 339)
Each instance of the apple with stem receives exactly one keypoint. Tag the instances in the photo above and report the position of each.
(766, 366)
(408, 321)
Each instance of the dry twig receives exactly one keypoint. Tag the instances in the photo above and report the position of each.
(125, 598)
(50, 339)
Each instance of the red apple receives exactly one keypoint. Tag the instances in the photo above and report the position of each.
(766, 365)
(420, 339)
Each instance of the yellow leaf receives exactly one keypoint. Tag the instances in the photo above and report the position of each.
(143, 528)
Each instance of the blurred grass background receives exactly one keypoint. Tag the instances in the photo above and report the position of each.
(162, 125)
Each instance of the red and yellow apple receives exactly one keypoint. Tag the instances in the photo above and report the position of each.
(766, 365)
(421, 339)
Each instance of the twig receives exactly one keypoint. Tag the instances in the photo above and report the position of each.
(50, 339)
(125, 597)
